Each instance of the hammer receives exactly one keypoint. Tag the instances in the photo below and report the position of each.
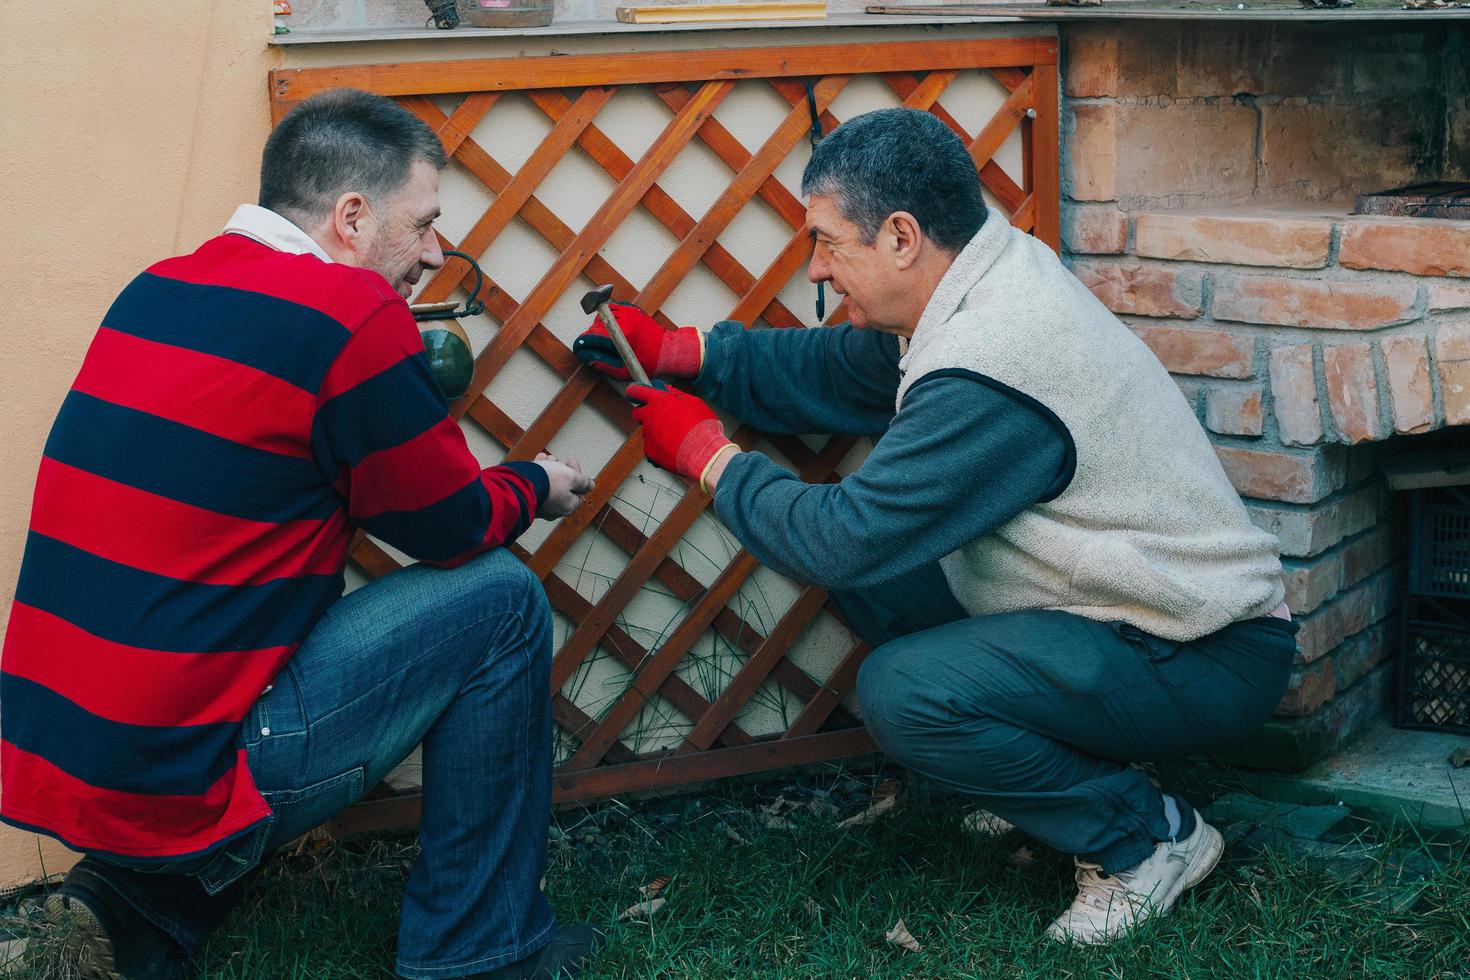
(596, 299)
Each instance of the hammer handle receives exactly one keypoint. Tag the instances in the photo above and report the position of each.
(625, 349)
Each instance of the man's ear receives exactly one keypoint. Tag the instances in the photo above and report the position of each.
(350, 218)
(906, 238)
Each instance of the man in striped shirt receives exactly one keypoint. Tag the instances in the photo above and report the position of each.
(183, 687)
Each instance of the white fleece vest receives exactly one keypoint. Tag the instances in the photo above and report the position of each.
(1149, 531)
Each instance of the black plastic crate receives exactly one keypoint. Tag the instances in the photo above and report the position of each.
(1439, 542)
(1433, 688)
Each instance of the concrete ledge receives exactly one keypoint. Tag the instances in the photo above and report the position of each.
(1392, 774)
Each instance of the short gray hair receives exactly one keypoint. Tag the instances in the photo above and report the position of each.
(339, 141)
(899, 160)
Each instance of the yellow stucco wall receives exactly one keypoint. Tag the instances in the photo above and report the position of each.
(128, 132)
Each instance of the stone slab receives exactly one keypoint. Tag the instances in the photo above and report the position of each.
(1391, 773)
(1310, 822)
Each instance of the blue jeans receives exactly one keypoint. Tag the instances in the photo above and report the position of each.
(458, 659)
(1037, 715)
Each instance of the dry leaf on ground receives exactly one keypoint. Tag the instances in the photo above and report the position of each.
(655, 886)
(733, 834)
(885, 801)
(642, 910)
(822, 808)
(900, 936)
(1023, 856)
(987, 824)
(771, 816)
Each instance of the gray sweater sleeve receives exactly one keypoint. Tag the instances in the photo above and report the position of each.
(965, 455)
(822, 379)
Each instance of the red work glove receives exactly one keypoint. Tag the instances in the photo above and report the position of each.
(668, 353)
(680, 432)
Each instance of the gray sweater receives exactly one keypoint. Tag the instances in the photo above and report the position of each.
(963, 456)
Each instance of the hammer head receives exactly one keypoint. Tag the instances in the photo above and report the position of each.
(595, 297)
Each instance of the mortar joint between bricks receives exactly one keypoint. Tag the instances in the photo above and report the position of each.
(1384, 395)
(1436, 392)
(1324, 413)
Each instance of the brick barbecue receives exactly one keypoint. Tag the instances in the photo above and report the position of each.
(1211, 172)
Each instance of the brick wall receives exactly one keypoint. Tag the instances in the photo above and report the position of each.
(1179, 115)
(1208, 177)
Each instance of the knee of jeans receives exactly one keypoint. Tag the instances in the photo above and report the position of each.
(887, 697)
(507, 584)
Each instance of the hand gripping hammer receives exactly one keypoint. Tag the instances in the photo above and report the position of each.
(596, 299)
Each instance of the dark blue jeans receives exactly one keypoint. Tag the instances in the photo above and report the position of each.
(458, 659)
(1037, 715)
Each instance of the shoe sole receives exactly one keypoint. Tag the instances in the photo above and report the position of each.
(88, 943)
(1207, 857)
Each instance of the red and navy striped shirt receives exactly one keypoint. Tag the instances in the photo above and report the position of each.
(239, 412)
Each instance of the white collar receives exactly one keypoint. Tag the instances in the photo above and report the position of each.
(269, 228)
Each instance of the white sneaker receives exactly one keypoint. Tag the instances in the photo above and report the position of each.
(1108, 906)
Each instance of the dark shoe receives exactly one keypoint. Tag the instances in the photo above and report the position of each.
(108, 938)
(561, 959)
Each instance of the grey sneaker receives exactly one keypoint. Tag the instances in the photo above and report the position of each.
(1107, 906)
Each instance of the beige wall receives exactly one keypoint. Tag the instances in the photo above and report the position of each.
(128, 132)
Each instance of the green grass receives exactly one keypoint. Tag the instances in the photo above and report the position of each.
(815, 902)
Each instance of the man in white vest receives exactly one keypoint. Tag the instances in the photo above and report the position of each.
(1054, 573)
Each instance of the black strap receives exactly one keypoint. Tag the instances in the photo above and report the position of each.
(816, 134)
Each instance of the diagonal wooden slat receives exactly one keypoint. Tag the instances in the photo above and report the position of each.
(573, 719)
(1005, 120)
(739, 191)
(606, 154)
(539, 217)
(827, 701)
(514, 196)
(651, 675)
(609, 479)
(574, 259)
(630, 581)
(1011, 78)
(725, 146)
(926, 93)
(754, 671)
(678, 643)
(575, 607)
(378, 562)
(786, 264)
(457, 126)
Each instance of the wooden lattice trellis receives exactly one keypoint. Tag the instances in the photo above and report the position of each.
(570, 91)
